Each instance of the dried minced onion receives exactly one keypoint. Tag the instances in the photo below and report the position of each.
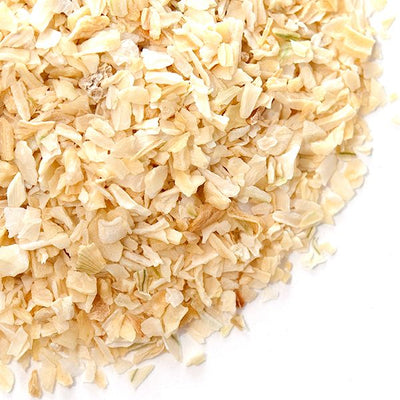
(159, 161)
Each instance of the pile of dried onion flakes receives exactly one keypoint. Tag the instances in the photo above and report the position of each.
(159, 161)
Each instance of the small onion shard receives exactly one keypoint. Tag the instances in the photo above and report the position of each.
(16, 193)
(7, 378)
(196, 359)
(13, 260)
(112, 231)
(155, 59)
(42, 13)
(101, 42)
(90, 260)
(126, 201)
(139, 375)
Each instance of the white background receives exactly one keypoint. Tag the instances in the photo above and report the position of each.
(334, 333)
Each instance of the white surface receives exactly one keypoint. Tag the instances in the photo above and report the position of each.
(334, 332)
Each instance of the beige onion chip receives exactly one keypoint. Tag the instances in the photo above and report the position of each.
(6, 378)
(112, 231)
(16, 193)
(140, 374)
(90, 260)
(155, 59)
(13, 260)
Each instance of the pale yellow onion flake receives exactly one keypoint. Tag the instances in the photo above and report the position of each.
(6, 140)
(155, 59)
(35, 389)
(249, 99)
(16, 193)
(42, 12)
(140, 374)
(197, 359)
(13, 260)
(125, 201)
(90, 259)
(86, 26)
(112, 231)
(101, 42)
(8, 20)
(163, 78)
(26, 162)
(6, 378)
(19, 95)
